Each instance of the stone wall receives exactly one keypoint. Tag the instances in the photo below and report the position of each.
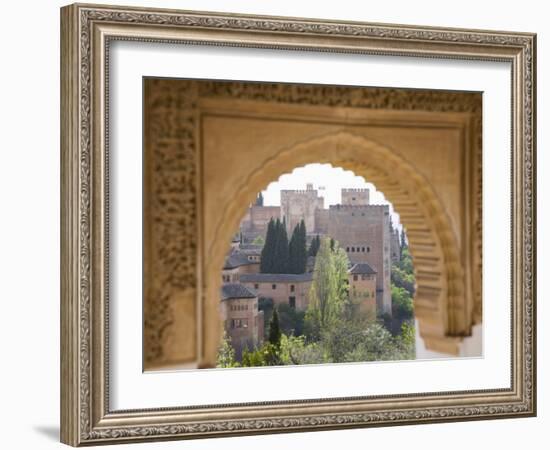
(283, 291)
(300, 204)
(395, 246)
(363, 289)
(256, 219)
(242, 322)
(355, 197)
(364, 232)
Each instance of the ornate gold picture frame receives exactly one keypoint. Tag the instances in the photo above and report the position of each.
(448, 299)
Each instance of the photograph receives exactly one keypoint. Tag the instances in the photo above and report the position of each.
(306, 283)
(291, 223)
(320, 267)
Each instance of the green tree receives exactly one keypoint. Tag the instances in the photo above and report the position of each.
(302, 247)
(406, 263)
(268, 251)
(258, 240)
(273, 348)
(402, 304)
(226, 353)
(265, 304)
(280, 249)
(402, 279)
(297, 254)
(274, 329)
(291, 320)
(328, 290)
(314, 246)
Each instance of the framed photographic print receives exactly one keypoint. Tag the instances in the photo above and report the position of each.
(276, 225)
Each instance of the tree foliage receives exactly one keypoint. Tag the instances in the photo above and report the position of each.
(314, 246)
(334, 328)
(297, 254)
(328, 290)
(226, 353)
(291, 320)
(274, 256)
(274, 329)
(266, 257)
(258, 240)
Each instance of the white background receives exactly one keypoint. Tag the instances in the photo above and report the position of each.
(29, 234)
(132, 389)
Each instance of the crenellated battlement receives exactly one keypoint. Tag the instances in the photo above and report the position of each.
(344, 207)
(286, 192)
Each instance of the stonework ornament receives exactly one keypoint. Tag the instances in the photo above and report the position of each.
(184, 236)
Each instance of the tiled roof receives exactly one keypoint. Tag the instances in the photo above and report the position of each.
(250, 247)
(276, 277)
(236, 290)
(236, 260)
(362, 268)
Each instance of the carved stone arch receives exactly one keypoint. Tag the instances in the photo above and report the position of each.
(440, 307)
(211, 145)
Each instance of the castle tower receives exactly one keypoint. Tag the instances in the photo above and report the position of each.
(355, 197)
(297, 205)
(363, 231)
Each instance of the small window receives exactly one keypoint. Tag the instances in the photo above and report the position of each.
(355, 278)
(347, 249)
(353, 198)
(352, 249)
(363, 249)
(368, 249)
(273, 286)
(256, 286)
(352, 214)
(291, 288)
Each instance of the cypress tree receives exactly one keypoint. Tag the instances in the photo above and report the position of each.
(280, 252)
(267, 255)
(275, 330)
(301, 249)
(314, 246)
(293, 252)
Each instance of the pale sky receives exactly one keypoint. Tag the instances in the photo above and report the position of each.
(328, 181)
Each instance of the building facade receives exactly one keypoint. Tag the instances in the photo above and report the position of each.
(363, 230)
(242, 321)
(362, 287)
(290, 289)
(298, 205)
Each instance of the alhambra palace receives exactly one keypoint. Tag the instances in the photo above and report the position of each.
(363, 230)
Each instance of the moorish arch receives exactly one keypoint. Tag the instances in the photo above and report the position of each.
(439, 300)
(210, 146)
